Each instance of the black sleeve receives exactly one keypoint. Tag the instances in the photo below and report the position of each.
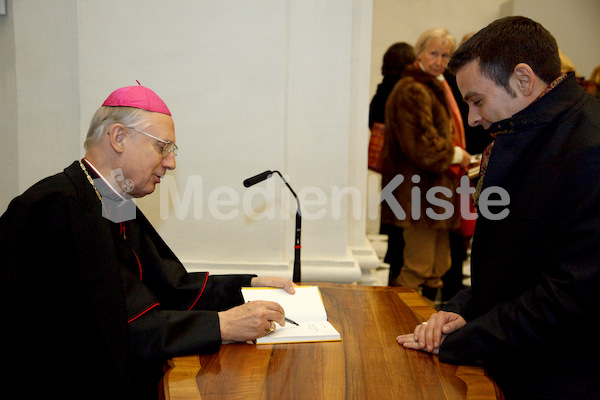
(460, 304)
(159, 332)
(223, 292)
(546, 315)
(162, 334)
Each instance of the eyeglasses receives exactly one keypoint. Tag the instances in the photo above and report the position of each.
(168, 145)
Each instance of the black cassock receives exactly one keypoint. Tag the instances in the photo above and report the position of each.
(92, 308)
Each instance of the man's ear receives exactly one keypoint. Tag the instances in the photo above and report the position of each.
(525, 79)
(116, 134)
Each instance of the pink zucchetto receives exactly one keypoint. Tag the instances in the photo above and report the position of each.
(138, 97)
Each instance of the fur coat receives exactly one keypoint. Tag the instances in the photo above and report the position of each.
(418, 141)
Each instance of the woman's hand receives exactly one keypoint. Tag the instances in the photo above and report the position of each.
(466, 160)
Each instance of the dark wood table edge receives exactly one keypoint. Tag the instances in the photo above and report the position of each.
(179, 380)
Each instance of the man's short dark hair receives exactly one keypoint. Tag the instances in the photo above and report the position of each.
(506, 42)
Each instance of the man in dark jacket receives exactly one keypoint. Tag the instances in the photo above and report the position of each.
(532, 312)
(92, 301)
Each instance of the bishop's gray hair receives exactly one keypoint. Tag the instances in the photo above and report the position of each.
(105, 116)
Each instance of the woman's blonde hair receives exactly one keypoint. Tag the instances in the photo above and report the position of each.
(435, 33)
(566, 65)
(595, 77)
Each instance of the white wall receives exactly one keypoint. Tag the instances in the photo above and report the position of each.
(574, 24)
(9, 173)
(252, 85)
(39, 97)
(403, 21)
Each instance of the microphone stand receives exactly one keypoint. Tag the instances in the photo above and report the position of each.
(296, 276)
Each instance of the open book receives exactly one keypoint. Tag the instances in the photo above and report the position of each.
(304, 307)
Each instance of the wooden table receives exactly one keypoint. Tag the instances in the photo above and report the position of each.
(367, 364)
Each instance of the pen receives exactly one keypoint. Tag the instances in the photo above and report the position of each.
(291, 321)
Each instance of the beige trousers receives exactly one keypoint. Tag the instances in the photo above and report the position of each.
(426, 258)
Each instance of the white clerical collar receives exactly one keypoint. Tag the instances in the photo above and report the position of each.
(102, 177)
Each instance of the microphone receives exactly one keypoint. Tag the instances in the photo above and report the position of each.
(257, 178)
(265, 175)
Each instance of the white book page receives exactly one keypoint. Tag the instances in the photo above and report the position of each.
(308, 331)
(305, 305)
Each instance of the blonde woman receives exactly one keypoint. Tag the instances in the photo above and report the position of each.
(424, 143)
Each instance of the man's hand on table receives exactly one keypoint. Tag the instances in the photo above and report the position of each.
(253, 319)
(273, 281)
(429, 335)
